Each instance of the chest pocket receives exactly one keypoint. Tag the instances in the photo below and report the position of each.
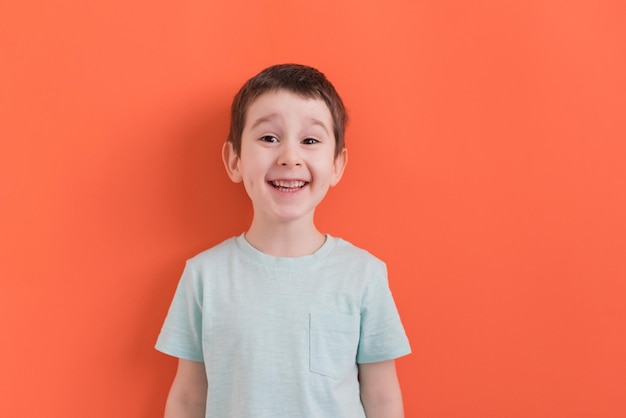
(333, 343)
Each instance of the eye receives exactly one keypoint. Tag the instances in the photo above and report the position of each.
(310, 141)
(268, 138)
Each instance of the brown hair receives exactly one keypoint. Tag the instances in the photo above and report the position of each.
(300, 79)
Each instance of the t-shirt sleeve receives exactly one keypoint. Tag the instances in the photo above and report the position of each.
(382, 334)
(181, 334)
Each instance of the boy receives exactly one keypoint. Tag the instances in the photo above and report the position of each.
(284, 321)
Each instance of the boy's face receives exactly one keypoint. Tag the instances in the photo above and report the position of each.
(287, 160)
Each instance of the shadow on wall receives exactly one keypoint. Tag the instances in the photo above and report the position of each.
(202, 207)
(207, 203)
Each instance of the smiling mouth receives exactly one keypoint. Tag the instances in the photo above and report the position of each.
(288, 185)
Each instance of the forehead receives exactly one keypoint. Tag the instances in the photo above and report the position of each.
(284, 105)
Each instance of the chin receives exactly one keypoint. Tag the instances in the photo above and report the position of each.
(292, 216)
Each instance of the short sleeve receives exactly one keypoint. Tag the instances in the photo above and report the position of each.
(181, 334)
(382, 334)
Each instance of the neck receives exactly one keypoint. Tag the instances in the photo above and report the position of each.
(289, 239)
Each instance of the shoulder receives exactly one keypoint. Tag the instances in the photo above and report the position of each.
(347, 249)
(214, 254)
(353, 256)
(212, 262)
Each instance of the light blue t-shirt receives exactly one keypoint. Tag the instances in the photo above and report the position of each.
(281, 337)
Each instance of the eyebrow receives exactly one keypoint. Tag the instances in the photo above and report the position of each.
(263, 119)
(320, 123)
(272, 116)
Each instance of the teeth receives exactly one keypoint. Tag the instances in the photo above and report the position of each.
(288, 183)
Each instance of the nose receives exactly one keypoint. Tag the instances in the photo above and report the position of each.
(289, 154)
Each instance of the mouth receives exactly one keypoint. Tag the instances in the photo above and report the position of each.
(288, 186)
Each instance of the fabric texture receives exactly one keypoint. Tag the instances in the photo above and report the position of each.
(281, 337)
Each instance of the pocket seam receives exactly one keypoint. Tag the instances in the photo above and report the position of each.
(341, 330)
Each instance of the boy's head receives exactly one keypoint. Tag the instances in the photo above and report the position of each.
(299, 79)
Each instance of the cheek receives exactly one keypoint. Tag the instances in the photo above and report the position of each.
(250, 186)
(253, 177)
(327, 168)
(249, 182)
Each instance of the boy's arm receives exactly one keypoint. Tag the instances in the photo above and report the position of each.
(380, 390)
(187, 397)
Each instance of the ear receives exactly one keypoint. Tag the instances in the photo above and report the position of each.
(231, 162)
(339, 165)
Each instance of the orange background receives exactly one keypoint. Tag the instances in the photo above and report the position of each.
(488, 169)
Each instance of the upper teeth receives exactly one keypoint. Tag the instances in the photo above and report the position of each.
(288, 183)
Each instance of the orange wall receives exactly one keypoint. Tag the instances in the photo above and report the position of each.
(488, 168)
